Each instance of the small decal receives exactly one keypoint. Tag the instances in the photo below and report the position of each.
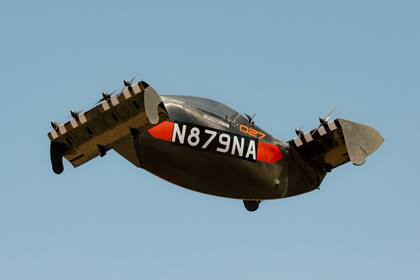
(215, 120)
(162, 131)
(268, 153)
(251, 132)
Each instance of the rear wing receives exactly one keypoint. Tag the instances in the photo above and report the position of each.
(112, 124)
(338, 142)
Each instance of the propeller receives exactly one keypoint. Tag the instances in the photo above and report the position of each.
(324, 120)
(55, 126)
(250, 119)
(299, 132)
(106, 96)
(130, 82)
(75, 114)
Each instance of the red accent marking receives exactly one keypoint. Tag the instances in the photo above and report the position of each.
(268, 153)
(162, 131)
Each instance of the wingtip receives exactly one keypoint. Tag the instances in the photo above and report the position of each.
(144, 84)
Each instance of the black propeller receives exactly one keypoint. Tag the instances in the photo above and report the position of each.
(324, 120)
(130, 82)
(251, 119)
(75, 114)
(107, 96)
(55, 126)
(299, 132)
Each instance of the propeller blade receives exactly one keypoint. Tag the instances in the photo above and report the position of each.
(129, 82)
(299, 132)
(55, 126)
(105, 96)
(325, 120)
(329, 115)
(75, 114)
(248, 117)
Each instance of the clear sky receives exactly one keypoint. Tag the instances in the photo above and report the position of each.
(288, 61)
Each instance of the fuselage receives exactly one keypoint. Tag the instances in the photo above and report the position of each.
(208, 147)
(205, 146)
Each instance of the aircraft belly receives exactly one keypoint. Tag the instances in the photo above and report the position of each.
(212, 173)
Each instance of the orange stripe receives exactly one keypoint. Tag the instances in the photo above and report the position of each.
(162, 131)
(268, 153)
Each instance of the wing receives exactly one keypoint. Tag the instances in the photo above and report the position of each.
(113, 124)
(338, 142)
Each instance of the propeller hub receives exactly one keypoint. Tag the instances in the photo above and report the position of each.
(54, 126)
(323, 121)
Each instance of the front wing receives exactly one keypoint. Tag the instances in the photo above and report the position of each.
(113, 124)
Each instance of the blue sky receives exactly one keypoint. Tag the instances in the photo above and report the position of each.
(288, 61)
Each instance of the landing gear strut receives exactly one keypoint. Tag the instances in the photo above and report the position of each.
(251, 205)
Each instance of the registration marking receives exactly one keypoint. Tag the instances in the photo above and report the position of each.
(216, 141)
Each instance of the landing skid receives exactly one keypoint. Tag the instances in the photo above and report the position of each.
(252, 205)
